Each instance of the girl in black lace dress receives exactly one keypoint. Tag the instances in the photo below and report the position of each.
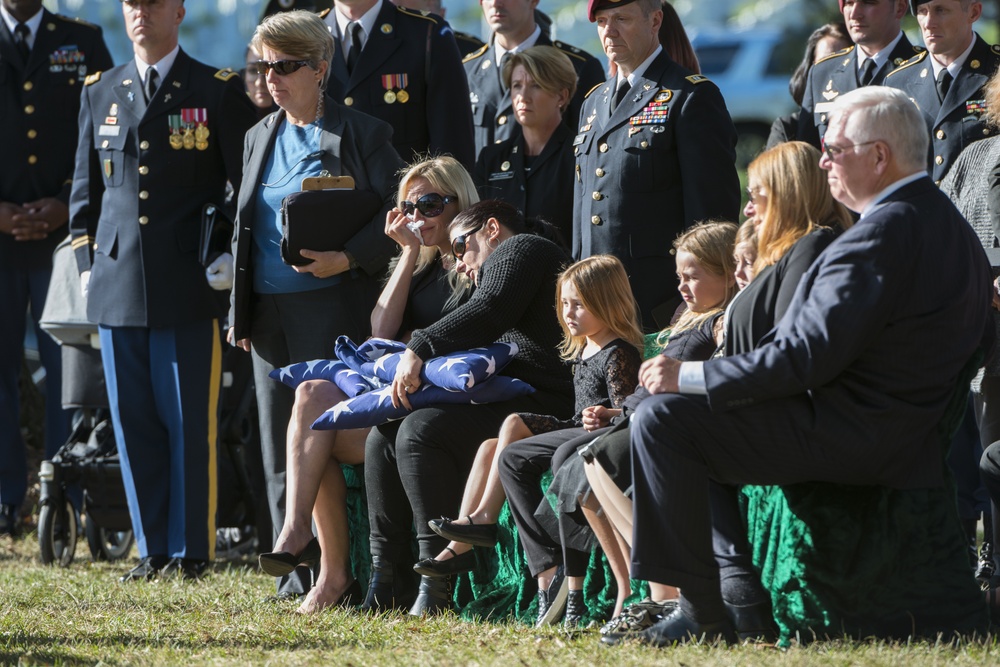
(601, 338)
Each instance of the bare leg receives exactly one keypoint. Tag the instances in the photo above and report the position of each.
(330, 515)
(307, 453)
(484, 494)
(614, 548)
(616, 505)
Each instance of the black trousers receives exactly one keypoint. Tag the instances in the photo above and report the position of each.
(416, 468)
(521, 468)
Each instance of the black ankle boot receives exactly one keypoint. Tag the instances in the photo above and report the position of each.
(434, 596)
(576, 609)
(381, 589)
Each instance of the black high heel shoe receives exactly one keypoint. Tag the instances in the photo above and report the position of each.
(280, 563)
(485, 535)
(457, 564)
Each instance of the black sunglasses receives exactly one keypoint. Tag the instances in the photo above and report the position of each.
(280, 67)
(458, 245)
(431, 205)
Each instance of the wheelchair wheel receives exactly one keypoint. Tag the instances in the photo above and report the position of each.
(57, 533)
(107, 544)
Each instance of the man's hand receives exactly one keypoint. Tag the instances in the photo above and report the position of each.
(242, 343)
(220, 272)
(659, 375)
(326, 264)
(85, 283)
(7, 213)
(39, 218)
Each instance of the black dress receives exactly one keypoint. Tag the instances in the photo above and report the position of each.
(605, 378)
(430, 297)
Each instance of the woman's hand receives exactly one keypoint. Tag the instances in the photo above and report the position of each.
(396, 229)
(407, 379)
(996, 294)
(598, 416)
(242, 343)
(325, 264)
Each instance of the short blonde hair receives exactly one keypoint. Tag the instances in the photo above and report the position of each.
(548, 66)
(298, 33)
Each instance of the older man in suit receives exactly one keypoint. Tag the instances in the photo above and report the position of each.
(851, 384)
(159, 138)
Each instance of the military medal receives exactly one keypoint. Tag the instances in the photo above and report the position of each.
(201, 132)
(176, 140)
(392, 82)
(188, 139)
(402, 96)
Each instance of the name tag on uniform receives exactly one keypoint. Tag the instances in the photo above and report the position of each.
(579, 139)
(823, 107)
(501, 175)
(109, 130)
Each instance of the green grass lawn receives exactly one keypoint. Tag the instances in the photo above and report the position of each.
(81, 616)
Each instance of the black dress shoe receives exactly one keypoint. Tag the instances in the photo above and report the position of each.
(280, 563)
(458, 563)
(753, 622)
(146, 569)
(677, 628)
(9, 520)
(386, 591)
(485, 535)
(433, 597)
(185, 568)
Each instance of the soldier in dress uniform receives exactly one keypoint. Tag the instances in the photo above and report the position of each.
(947, 80)
(879, 47)
(159, 138)
(404, 68)
(44, 58)
(655, 153)
(466, 43)
(515, 28)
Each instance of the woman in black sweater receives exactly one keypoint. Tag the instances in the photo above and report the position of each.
(415, 467)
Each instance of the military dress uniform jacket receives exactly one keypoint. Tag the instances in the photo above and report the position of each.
(138, 192)
(545, 190)
(960, 119)
(492, 109)
(39, 104)
(835, 75)
(662, 161)
(409, 75)
(353, 144)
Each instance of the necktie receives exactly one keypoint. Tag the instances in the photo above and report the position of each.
(943, 84)
(620, 94)
(867, 72)
(503, 63)
(355, 52)
(21, 35)
(152, 83)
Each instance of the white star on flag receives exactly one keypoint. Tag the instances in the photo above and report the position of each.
(340, 408)
(451, 362)
(491, 366)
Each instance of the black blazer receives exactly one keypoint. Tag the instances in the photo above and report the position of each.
(38, 147)
(545, 191)
(874, 339)
(354, 144)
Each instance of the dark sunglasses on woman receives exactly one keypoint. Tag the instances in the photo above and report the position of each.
(280, 67)
(431, 205)
(458, 245)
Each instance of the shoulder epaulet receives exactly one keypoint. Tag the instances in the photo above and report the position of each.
(593, 89)
(476, 54)
(225, 74)
(323, 13)
(835, 54)
(77, 21)
(569, 50)
(697, 78)
(92, 78)
(909, 63)
(413, 12)
(919, 49)
(466, 36)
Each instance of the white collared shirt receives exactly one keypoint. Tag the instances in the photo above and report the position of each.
(34, 23)
(881, 57)
(499, 51)
(878, 199)
(367, 22)
(638, 71)
(955, 67)
(162, 67)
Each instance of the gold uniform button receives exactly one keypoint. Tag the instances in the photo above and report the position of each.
(143, 170)
(986, 131)
(30, 109)
(596, 220)
(939, 134)
(597, 196)
(28, 85)
(144, 194)
(348, 101)
(603, 148)
(502, 120)
(599, 172)
(32, 134)
(143, 220)
(104, 144)
(644, 144)
(144, 145)
(939, 160)
(32, 159)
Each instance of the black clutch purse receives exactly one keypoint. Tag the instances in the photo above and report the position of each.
(323, 220)
(216, 234)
